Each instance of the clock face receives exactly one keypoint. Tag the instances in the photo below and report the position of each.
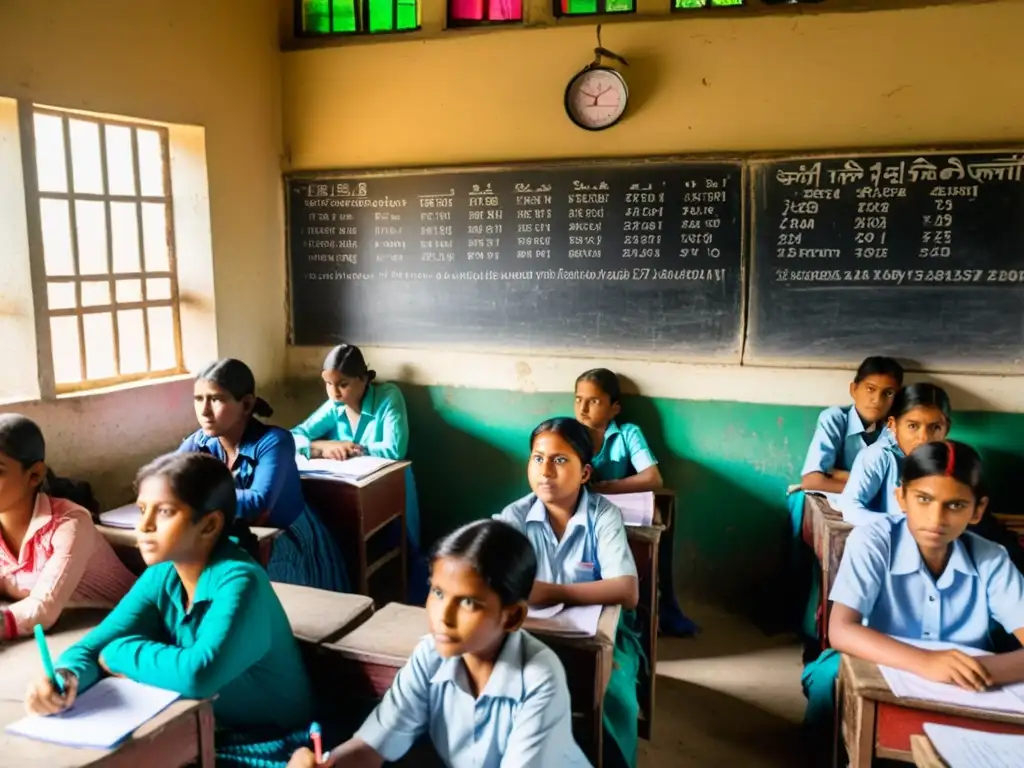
(596, 98)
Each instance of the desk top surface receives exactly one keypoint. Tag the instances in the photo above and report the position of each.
(129, 536)
(865, 679)
(317, 615)
(19, 752)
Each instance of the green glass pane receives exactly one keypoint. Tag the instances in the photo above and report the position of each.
(618, 6)
(691, 3)
(728, 2)
(381, 18)
(407, 14)
(316, 18)
(344, 15)
(579, 6)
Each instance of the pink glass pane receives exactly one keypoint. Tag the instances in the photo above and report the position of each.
(467, 10)
(505, 10)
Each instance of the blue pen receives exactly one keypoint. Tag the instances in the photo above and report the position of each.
(44, 652)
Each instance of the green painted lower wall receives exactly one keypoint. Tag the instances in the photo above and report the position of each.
(730, 464)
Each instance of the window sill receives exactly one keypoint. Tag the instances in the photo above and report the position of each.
(115, 389)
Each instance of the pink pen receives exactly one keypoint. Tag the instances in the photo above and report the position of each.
(318, 747)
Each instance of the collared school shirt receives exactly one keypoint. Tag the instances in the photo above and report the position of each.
(64, 562)
(588, 551)
(234, 642)
(874, 478)
(267, 483)
(884, 578)
(521, 718)
(624, 452)
(838, 438)
(383, 428)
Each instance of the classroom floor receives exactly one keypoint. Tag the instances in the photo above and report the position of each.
(728, 698)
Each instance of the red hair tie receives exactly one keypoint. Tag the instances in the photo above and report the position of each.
(951, 459)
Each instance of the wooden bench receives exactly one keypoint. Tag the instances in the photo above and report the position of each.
(826, 533)
(318, 616)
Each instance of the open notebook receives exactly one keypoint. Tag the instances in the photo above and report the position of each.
(577, 621)
(1009, 698)
(350, 470)
(123, 517)
(101, 717)
(637, 508)
(965, 748)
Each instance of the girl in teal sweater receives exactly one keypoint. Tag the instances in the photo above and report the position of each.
(203, 620)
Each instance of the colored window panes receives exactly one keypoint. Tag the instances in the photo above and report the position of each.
(325, 17)
(584, 7)
(485, 10)
(688, 4)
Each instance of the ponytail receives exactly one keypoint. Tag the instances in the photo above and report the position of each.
(240, 533)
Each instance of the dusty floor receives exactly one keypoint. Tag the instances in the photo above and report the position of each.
(730, 697)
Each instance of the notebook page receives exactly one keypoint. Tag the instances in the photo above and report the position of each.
(965, 748)
(637, 508)
(101, 717)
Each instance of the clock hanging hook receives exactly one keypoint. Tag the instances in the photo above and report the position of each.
(601, 52)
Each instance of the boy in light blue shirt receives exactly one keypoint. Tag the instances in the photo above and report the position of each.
(921, 576)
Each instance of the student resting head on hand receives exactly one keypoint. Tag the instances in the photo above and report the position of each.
(920, 413)
(487, 693)
(51, 554)
(203, 619)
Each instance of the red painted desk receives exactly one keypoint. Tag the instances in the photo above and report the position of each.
(876, 723)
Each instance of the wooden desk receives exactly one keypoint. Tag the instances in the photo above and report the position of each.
(876, 723)
(361, 518)
(924, 753)
(180, 735)
(825, 531)
(125, 544)
(318, 616)
(588, 668)
(645, 543)
(365, 662)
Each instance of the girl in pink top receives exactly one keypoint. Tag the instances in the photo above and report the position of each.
(51, 555)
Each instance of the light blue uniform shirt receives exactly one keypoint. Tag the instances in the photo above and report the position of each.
(593, 546)
(838, 438)
(884, 578)
(624, 452)
(874, 478)
(383, 428)
(521, 718)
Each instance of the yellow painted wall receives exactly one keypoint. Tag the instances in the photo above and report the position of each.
(934, 75)
(214, 63)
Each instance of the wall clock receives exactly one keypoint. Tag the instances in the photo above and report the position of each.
(597, 95)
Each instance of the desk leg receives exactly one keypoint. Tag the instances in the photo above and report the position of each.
(207, 750)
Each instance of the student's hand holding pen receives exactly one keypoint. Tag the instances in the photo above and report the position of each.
(43, 698)
(339, 450)
(304, 758)
(957, 668)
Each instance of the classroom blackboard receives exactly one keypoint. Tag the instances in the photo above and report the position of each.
(919, 256)
(629, 258)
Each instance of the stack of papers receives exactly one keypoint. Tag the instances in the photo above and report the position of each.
(964, 748)
(122, 517)
(1009, 698)
(637, 508)
(101, 717)
(355, 468)
(577, 621)
(831, 498)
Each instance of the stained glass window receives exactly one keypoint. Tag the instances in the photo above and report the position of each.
(587, 7)
(685, 5)
(332, 17)
(467, 12)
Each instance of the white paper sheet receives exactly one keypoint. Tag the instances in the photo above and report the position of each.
(355, 468)
(964, 748)
(637, 508)
(101, 717)
(122, 517)
(908, 685)
(536, 612)
(578, 621)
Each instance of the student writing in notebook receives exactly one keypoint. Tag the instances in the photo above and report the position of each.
(583, 558)
(203, 619)
(52, 556)
(920, 413)
(922, 576)
(488, 694)
(268, 488)
(623, 463)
